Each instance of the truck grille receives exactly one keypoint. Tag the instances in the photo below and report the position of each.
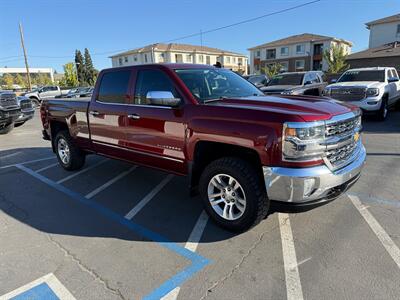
(342, 127)
(25, 104)
(348, 94)
(8, 100)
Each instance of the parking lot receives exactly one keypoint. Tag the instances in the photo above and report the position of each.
(118, 231)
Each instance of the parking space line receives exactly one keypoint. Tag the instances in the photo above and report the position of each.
(28, 162)
(198, 262)
(374, 200)
(47, 167)
(292, 276)
(148, 197)
(10, 155)
(56, 287)
(191, 244)
(381, 234)
(110, 182)
(82, 171)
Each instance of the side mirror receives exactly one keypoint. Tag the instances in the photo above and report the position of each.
(163, 98)
(308, 82)
(333, 80)
(393, 79)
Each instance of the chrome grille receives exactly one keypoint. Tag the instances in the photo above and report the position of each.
(25, 104)
(348, 94)
(340, 155)
(343, 127)
(8, 100)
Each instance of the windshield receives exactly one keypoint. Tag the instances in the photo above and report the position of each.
(286, 79)
(256, 79)
(207, 84)
(362, 76)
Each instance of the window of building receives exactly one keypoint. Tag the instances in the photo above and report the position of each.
(114, 87)
(189, 58)
(126, 59)
(208, 60)
(285, 66)
(135, 58)
(179, 58)
(398, 29)
(271, 53)
(300, 65)
(120, 61)
(234, 60)
(201, 58)
(161, 57)
(300, 49)
(258, 53)
(284, 51)
(228, 59)
(240, 60)
(151, 80)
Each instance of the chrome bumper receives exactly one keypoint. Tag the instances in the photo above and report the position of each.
(309, 184)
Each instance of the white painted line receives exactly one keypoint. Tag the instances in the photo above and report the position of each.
(82, 171)
(110, 182)
(191, 245)
(50, 280)
(10, 155)
(292, 276)
(47, 167)
(148, 197)
(28, 162)
(383, 237)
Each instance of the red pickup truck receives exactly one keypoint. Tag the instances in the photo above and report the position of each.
(239, 148)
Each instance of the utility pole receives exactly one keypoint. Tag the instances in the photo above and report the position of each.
(26, 59)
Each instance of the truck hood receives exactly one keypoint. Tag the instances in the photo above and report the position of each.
(306, 107)
(359, 84)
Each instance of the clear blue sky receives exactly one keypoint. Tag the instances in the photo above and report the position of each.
(55, 28)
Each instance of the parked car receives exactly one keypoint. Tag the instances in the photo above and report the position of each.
(257, 80)
(296, 83)
(374, 90)
(9, 111)
(240, 148)
(27, 110)
(42, 93)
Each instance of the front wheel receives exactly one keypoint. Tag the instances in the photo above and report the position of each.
(382, 113)
(6, 129)
(233, 194)
(68, 154)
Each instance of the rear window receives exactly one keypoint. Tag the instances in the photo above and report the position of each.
(114, 87)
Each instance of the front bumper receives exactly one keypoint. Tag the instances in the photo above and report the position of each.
(369, 104)
(25, 116)
(8, 116)
(313, 184)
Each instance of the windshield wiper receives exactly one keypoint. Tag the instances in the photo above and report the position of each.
(215, 99)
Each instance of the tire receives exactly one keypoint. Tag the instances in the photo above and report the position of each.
(383, 112)
(7, 129)
(19, 124)
(251, 189)
(69, 156)
(35, 102)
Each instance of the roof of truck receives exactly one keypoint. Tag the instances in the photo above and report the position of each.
(172, 66)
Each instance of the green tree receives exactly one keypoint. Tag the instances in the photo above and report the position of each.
(80, 68)
(7, 80)
(336, 59)
(70, 76)
(272, 69)
(20, 81)
(90, 71)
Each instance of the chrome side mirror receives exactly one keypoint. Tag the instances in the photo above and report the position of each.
(163, 98)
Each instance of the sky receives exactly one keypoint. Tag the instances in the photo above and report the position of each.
(53, 29)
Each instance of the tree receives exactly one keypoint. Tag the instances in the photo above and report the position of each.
(20, 81)
(272, 69)
(7, 80)
(80, 68)
(336, 59)
(90, 71)
(70, 75)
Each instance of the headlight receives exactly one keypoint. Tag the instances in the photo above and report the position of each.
(302, 141)
(372, 92)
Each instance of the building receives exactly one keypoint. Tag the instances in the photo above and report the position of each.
(181, 53)
(384, 31)
(22, 71)
(387, 55)
(301, 52)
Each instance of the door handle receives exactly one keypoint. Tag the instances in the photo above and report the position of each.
(134, 116)
(94, 113)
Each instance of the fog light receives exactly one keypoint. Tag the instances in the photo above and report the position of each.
(309, 185)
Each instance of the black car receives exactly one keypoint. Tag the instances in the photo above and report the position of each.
(296, 83)
(9, 111)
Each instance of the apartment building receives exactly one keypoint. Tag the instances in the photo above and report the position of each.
(384, 31)
(181, 53)
(301, 52)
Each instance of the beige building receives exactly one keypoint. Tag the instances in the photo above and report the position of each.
(384, 31)
(181, 53)
(301, 52)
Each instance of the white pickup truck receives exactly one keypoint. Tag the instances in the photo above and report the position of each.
(43, 93)
(374, 90)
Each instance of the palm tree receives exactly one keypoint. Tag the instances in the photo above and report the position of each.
(336, 58)
(272, 69)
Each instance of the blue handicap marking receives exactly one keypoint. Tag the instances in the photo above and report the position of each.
(39, 292)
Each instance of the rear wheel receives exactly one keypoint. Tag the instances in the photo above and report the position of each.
(35, 102)
(382, 113)
(233, 194)
(68, 154)
(6, 129)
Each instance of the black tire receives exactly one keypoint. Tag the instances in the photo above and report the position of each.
(383, 112)
(7, 128)
(257, 202)
(35, 102)
(76, 156)
(19, 124)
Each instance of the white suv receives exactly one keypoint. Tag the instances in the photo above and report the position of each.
(374, 90)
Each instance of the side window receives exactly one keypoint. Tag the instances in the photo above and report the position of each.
(114, 87)
(315, 78)
(394, 71)
(307, 78)
(388, 74)
(151, 80)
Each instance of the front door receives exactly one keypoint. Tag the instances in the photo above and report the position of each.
(156, 134)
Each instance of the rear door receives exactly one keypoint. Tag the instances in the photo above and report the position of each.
(155, 133)
(107, 112)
